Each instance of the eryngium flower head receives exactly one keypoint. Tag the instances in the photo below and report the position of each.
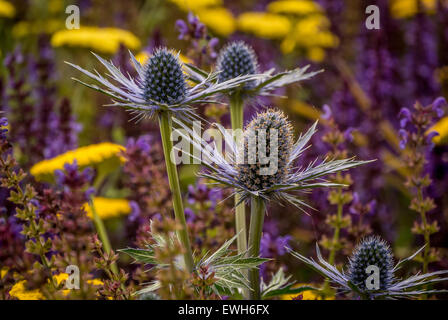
(237, 59)
(247, 172)
(164, 80)
(260, 127)
(374, 251)
(371, 251)
(160, 86)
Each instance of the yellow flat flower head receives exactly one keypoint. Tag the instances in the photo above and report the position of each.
(218, 20)
(402, 9)
(294, 7)
(20, 292)
(264, 25)
(105, 40)
(106, 154)
(193, 5)
(7, 10)
(108, 208)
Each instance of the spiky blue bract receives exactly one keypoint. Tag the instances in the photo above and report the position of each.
(164, 80)
(371, 251)
(282, 138)
(237, 59)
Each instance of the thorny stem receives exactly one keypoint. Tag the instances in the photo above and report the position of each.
(257, 211)
(165, 124)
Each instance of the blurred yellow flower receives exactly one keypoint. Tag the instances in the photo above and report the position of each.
(20, 292)
(264, 25)
(143, 56)
(441, 128)
(193, 5)
(219, 20)
(3, 272)
(105, 40)
(401, 9)
(7, 10)
(316, 54)
(105, 153)
(306, 295)
(27, 28)
(296, 7)
(108, 208)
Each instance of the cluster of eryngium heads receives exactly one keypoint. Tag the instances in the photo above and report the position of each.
(162, 90)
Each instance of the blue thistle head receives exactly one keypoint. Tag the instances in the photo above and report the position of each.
(250, 173)
(237, 59)
(371, 251)
(164, 80)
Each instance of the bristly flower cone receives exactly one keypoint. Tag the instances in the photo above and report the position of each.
(237, 59)
(250, 174)
(371, 251)
(164, 80)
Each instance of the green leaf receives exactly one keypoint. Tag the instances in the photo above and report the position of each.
(145, 256)
(289, 289)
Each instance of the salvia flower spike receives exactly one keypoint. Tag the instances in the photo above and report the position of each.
(373, 251)
(160, 86)
(234, 170)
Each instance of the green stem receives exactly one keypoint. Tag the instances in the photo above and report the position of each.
(426, 233)
(236, 115)
(257, 211)
(165, 124)
(102, 233)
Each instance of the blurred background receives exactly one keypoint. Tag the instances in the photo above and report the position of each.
(369, 77)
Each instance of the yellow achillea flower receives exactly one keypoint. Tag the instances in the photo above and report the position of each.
(193, 5)
(95, 154)
(105, 40)
(306, 295)
(7, 10)
(20, 292)
(296, 7)
(264, 25)
(219, 20)
(3, 272)
(143, 56)
(401, 9)
(441, 128)
(108, 208)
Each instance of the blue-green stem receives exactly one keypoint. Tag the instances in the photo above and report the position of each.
(236, 116)
(165, 124)
(257, 211)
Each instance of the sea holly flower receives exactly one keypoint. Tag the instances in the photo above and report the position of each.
(160, 86)
(234, 169)
(375, 253)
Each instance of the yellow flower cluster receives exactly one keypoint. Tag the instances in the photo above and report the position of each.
(108, 208)
(297, 23)
(143, 56)
(7, 10)
(441, 128)
(29, 28)
(211, 13)
(401, 9)
(105, 40)
(91, 155)
(294, 7)
(20, 292)
(264, 25)
(306, 295)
